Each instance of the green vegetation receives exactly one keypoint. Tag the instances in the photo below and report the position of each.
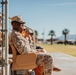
(65, 32)
(51, 33)
(68, 49)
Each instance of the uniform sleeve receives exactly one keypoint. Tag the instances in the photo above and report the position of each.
(20, 43)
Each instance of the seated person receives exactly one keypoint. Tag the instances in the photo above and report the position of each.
(26, 33)
(23, 46)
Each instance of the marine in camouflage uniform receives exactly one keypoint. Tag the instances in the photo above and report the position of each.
(22, 46)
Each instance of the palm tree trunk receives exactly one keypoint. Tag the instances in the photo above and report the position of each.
(51, 40)
(65, 42)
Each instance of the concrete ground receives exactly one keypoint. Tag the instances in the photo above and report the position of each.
(65, 62)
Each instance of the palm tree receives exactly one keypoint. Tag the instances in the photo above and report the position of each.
(43, 34)
(65, 32)
(36, 33)
(43, 37)
(52, 33)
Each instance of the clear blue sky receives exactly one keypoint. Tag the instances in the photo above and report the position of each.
(46, 15)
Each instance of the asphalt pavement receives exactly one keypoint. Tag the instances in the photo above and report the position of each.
(65, 62)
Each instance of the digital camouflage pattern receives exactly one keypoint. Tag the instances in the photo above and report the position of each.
(23, 46)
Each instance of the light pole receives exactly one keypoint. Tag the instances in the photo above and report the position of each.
(6, 38)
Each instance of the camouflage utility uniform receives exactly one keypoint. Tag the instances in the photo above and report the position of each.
(22, 46)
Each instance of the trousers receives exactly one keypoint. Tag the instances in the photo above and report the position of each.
(46, 61)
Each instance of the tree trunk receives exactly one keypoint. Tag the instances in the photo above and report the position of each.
(51, 40)
(65, 42)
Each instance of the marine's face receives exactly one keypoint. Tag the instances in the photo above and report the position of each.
(17, 26)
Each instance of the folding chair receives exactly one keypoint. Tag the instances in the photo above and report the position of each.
(23, 61)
